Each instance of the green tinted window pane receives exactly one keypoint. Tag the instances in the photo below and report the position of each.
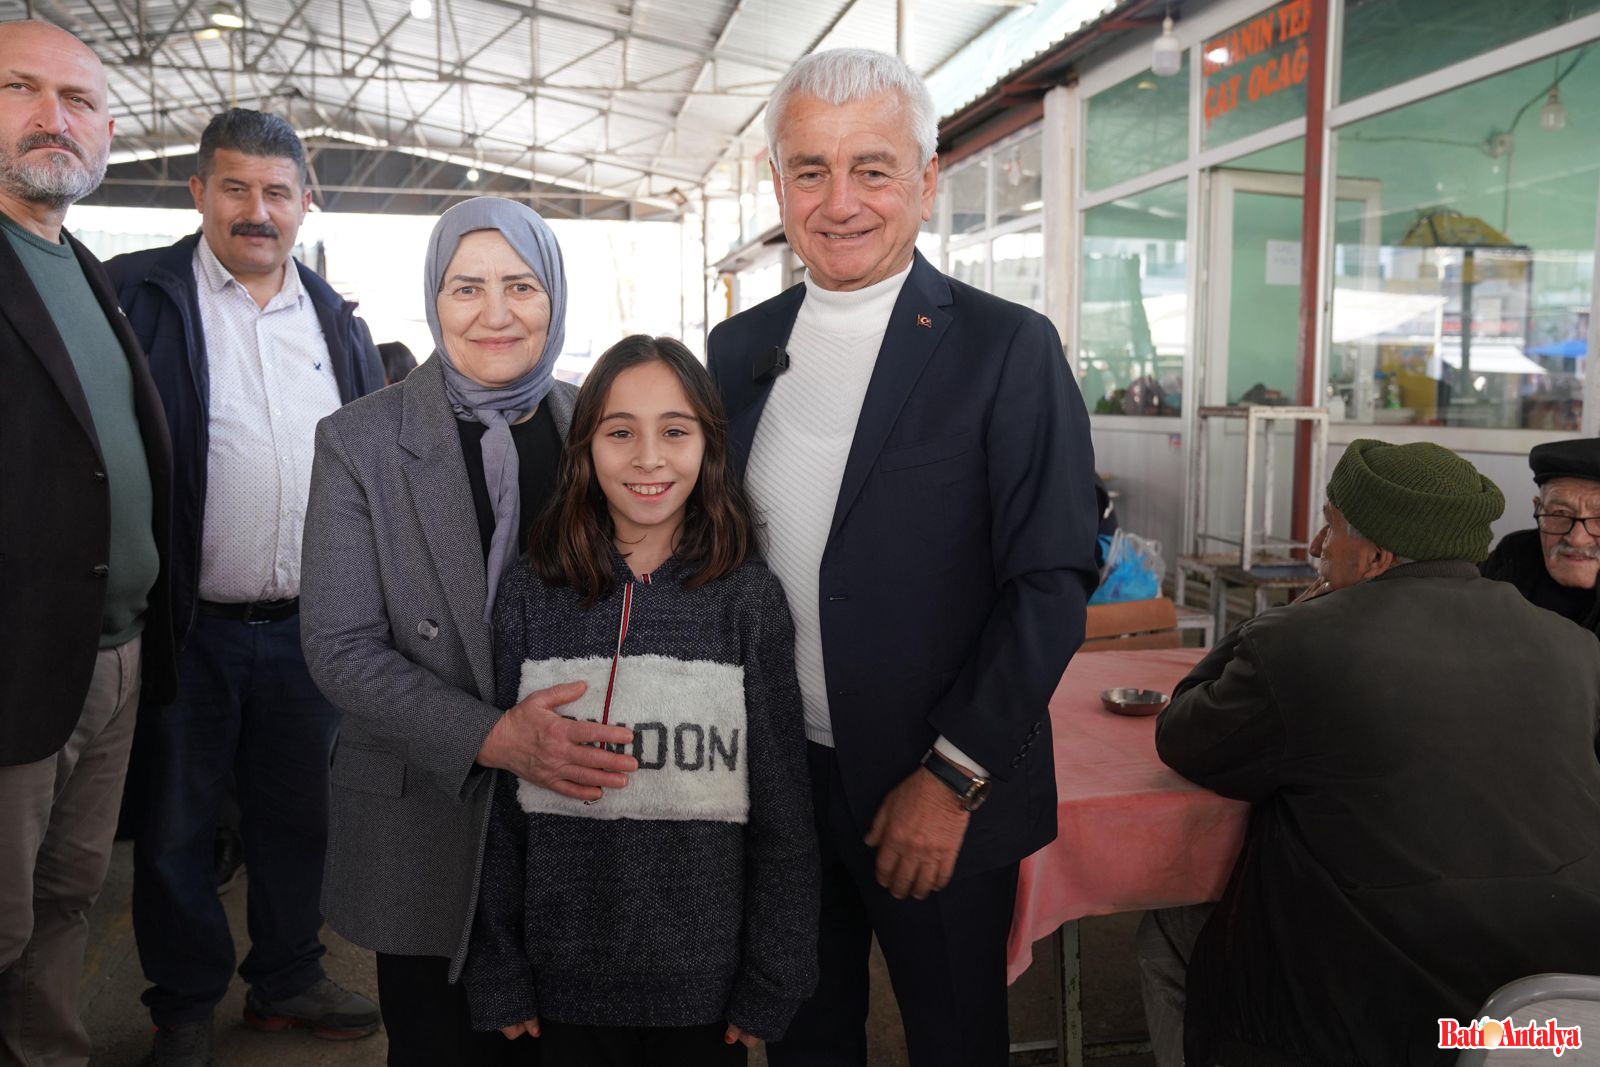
(1263, 299)
(1263, 259)
(1286, 158)
(1253, 75)
(1134, 323)
(1427, 328)
(1137, 126)
(1387, 42)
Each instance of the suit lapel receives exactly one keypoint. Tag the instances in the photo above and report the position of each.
(442, 496)
(770, 331)
(916, 327)
(20, 303)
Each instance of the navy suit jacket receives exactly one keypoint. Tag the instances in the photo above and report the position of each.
(961, 552)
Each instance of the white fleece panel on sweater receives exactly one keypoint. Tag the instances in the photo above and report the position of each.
(689, 736)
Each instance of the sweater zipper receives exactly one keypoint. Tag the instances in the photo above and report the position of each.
(622, 634)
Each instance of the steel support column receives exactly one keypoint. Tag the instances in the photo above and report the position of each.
(1308, 389)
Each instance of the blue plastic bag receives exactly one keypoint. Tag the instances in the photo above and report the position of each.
(1132, 570)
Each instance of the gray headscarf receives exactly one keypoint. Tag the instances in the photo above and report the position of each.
(530, 237)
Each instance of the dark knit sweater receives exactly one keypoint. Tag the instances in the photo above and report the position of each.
(690, 897)
(1519, 559)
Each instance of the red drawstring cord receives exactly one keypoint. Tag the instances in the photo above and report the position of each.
(622, 633)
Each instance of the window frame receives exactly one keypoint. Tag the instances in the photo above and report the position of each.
(990, 230)
(1197, 166)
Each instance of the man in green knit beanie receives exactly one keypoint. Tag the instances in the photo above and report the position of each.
(1417, 744)
(1392, 504)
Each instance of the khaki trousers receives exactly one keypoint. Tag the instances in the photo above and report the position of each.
(1165, 942)
(57, 818)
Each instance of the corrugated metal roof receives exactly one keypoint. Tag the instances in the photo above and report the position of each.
(634, 97)
(1022, 35)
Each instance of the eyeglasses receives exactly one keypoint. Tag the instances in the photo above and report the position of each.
(1562, 524)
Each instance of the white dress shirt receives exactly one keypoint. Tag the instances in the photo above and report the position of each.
(271, 381)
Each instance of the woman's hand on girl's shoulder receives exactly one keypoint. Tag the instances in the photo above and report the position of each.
(733, 1034)
(516, 1030)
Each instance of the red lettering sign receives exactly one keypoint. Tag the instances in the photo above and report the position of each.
(1248, 41)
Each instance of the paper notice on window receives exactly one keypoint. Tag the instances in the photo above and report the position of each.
(1283, 262)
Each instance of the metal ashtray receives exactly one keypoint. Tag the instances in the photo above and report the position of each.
(1134, 701)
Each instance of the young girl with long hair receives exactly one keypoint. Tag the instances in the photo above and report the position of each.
(672, 921)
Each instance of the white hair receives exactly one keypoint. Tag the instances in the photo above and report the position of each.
(1353, 532)
(841, 75)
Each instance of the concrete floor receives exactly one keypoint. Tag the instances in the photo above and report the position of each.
(120, 1027)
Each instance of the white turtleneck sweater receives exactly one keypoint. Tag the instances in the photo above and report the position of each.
(798, 456)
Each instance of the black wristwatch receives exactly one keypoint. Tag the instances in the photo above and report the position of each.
(969, 790)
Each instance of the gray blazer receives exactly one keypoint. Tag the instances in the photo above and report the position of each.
(391, 616)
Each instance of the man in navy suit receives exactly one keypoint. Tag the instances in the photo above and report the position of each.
(920, 455)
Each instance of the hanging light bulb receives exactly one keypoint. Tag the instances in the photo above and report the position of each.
(1553, 116)
(225, 16)
(472, 174)
(1166, 55)
(422, 9)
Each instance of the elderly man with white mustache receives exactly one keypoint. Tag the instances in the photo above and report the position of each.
(1555, 565)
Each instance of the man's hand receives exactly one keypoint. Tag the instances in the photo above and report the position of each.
(917, 833)
(736, 1034)
(538, 745)
(516, 1030)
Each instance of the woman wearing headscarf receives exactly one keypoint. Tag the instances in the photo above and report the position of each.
(421, 497)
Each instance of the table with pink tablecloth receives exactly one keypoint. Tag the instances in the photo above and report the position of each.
(1132, 833)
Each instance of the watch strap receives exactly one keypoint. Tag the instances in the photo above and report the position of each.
(960, 783)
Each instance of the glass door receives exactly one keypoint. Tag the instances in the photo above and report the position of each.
(1251, 333)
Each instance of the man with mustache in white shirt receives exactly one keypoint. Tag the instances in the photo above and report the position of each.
(249, 349)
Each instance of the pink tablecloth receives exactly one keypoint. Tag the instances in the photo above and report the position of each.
(1132, 833)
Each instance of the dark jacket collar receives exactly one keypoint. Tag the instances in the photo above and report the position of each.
(1519, 560)
(1433, 568)
(173, 269)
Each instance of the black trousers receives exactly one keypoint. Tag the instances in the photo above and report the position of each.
(248, 718)
(946, 954)
(428, 1024)
(565, 1045)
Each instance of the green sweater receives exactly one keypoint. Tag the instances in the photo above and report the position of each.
(107, 380)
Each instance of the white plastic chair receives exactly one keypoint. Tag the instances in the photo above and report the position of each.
(1571, 999)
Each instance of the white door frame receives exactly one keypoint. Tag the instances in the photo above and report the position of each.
(1219, 270)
